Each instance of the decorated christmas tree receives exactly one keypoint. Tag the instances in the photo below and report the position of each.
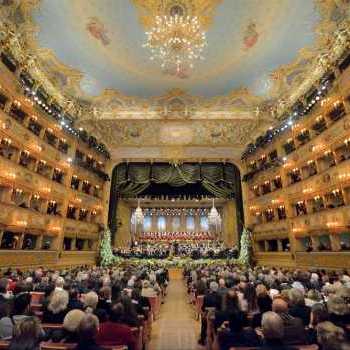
(106, 253)
(246, 247)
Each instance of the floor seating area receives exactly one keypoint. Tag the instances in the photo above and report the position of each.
(305, 303)
(16, 288)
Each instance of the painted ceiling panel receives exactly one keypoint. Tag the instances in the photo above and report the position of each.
(247, 40)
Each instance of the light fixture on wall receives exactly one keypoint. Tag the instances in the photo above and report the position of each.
(214, 218)
(138, 214)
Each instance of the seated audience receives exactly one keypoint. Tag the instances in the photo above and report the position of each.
(294, 331)
(20, 312)
(273, 332)
(339, 311)
(264, 304)
(57, 307)
(69, 332)
(114, 331)
(90, 301)
(329, 336)
(318, 314)
(87, 332)
(27, 335)
(297, 307)
(236, 334)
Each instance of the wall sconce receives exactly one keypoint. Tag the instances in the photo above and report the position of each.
(21, 223)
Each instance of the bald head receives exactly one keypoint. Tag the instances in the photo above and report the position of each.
(279, 305)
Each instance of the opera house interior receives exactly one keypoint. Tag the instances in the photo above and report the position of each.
(174, 174)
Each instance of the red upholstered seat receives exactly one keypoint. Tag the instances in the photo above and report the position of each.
(37, 298)
(4, 344)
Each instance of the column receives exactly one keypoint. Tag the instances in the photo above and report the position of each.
(335, 241)
(124, 224)
(39, 241)
(183, 222)
(154, 227)
(168, 223)
(197, 223)
(229, 224)
(279, 245)
(315, 243)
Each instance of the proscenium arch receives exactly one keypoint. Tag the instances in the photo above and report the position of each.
(133, 179)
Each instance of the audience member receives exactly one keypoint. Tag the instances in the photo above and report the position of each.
(87, 333)
(114, 331)
(27, 335)
(329, 336)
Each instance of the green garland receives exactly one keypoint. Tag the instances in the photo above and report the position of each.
(246, 247)
(106, 254)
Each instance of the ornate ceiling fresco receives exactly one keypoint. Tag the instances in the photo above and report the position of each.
(261, 56)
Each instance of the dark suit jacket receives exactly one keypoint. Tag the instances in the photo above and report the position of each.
(294, 330)
(212, 299)
(302, 312)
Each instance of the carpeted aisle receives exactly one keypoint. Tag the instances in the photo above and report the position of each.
(176, 328)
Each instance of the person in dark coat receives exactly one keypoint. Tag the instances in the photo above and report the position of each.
(294, 330)
(297, 307)
(273, 332)
(87, 332)
(211, 300)
(236, 335)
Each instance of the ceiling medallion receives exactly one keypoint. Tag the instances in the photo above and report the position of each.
(176, 40)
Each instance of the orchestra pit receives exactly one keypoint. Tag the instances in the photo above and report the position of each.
(174, 175)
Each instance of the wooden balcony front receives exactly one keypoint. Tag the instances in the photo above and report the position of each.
(274, 259)
(273, 226)
(19, 220)
(14, 130)
(333, 219)
(12, 173)
(328, 260)
(85, 229)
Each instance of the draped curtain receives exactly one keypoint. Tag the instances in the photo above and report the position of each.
(218, 179)
(129, 180)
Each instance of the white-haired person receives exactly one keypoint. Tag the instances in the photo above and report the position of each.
(90, 301)
(329, 336)
(69, 331)
(57, 307)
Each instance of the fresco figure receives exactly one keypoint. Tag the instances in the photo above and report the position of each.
(251, 36)
(97, 29)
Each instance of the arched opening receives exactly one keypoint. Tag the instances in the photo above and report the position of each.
(190, 181)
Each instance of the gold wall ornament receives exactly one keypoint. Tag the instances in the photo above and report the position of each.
(203, 9)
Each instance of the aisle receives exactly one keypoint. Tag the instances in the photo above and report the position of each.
(176, 328)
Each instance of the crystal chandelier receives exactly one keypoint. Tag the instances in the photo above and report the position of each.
(214, 218)
(138, 215)
(176, 41)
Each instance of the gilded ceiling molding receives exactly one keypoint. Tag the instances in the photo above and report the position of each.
(18, 32)
(203, 9)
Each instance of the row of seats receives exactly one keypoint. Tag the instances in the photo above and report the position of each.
(212, 335)
(142, 333)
